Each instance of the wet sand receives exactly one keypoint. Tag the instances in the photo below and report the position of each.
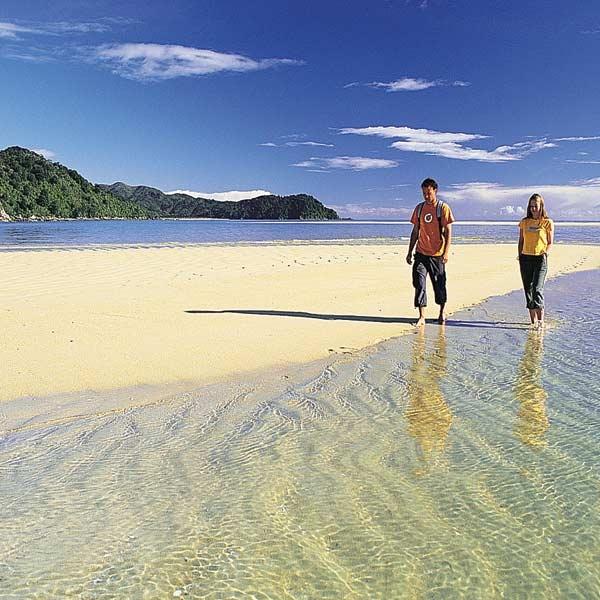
(103, 319)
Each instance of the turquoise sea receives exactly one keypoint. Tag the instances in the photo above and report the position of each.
(456, 462)
(84, 233)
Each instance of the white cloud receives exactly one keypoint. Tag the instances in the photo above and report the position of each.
(421, 4)
(587, 138)
(413, 84)
(579, 200)
(390, 188)
(232, 196)
(353, 163)
(52, 47)
(12, 31)
(583, 162)
(295, 144)
(67, 27)
(449, 145)
(419, 135)
(500, 154)
(153, 62)
(48, 154)
(16, 31)
(483, 200)
(367, 211)
(406, 84)
(31, 54)
(512, 211)
(309, 144)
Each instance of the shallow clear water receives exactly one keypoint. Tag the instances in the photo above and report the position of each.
(457, 463)
(83, 233)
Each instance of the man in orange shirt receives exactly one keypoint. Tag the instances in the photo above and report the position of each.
(432, 232)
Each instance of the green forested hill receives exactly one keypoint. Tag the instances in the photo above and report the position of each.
(299, 206)
(31, 186)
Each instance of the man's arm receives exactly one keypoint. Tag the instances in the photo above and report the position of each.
(448, 239)
(414, 236)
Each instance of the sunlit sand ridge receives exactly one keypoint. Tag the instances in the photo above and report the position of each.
(92, 319)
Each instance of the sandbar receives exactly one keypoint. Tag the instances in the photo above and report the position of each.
(99, 318)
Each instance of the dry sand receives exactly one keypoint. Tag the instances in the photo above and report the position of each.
(100, 319)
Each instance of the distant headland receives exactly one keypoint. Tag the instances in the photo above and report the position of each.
(34, 188)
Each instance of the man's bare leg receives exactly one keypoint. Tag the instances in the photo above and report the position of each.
(442, 315)
(421, 319)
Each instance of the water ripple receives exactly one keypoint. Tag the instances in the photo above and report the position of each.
(456, 462)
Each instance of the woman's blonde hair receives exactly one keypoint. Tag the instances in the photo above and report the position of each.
(543, 208)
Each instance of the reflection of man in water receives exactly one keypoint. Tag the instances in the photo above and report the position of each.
(532, 420)
(429, 417)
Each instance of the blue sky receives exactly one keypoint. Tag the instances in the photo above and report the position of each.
(353, 102)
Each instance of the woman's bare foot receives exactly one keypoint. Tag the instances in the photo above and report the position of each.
(420, 322)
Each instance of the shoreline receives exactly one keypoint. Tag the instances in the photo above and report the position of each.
(32, 413)
(195, 315)
(375, 241)
(341, 220)
(25, 416)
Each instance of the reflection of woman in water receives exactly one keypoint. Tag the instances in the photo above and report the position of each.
(429, 417)
(536, 232)
(532, 421)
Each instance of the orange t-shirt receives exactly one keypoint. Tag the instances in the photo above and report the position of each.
(430, 241)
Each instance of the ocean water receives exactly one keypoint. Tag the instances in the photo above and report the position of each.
(84, 233)
(456, 462)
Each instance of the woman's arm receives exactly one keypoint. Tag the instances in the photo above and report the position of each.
(550, 236)
(520, 242)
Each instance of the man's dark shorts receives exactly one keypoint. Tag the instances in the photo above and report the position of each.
(434, 265)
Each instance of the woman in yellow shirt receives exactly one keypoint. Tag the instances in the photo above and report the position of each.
(536, 232)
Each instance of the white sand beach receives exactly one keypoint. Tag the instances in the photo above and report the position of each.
(107, 318)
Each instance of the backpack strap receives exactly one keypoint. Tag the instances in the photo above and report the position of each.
(419, 211)
(440, 206)
(439, 209)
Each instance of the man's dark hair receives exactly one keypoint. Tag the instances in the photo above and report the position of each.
(430, 183)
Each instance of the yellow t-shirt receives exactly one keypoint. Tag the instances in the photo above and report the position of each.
(536, 233)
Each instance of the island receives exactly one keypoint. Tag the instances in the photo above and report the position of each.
(34, 188)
